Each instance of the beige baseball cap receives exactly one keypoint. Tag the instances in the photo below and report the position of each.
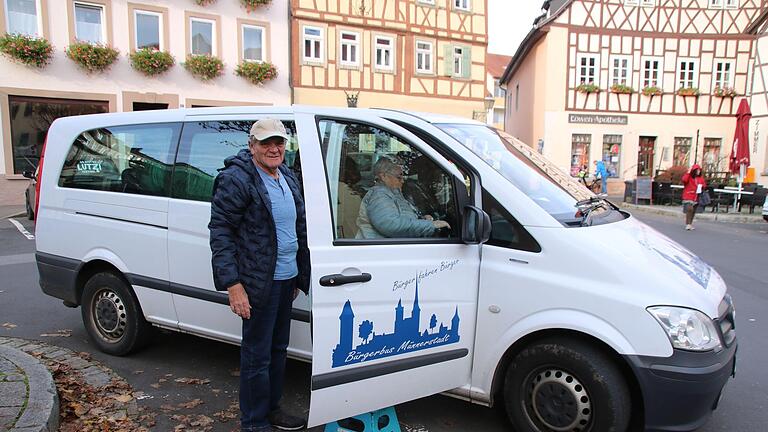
(267, 128)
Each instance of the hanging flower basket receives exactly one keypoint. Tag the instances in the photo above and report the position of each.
(651, 91)
(689, 91)
(92, 57)
(31, 51)
(204, 67)
(725, 92)
(622, 89)
(204, 2)
(256, 73)
(251, 5)
(151, 62)
(588, 88)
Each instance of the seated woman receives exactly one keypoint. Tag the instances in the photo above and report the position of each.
(386, 213)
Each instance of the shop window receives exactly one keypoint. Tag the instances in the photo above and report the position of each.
(89, 23)
(202, 36)
(148, 106)
(681, 153)
(313, 44)
(253, 43)
(587, 69)
(645, 155)
(424, 57)
(350, 48)
(711, 160)
(23, 17)
(148, 30)
(136, 159)
(612, 154)
(34, 117)
(580, 153)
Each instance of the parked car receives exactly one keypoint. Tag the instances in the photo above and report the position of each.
(765, 211)
(541, 295)
(30, 193)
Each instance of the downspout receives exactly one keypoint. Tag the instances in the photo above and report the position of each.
(290, 51)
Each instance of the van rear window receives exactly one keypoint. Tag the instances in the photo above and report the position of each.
(134, 159)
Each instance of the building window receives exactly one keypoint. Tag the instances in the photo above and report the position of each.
(612, 154)
(429, 2)
(461, 4)
(149, 28)
(89, 23)
(643, 3)
(201, 36)
(23, 17)
(517, 97)
(651, 72)
(313, 44)
(350, 47)
(424, 57)
(580, 153)
(723, 74)
(498, 117)
(384, 52)
(681, 151)
(458, 55)
(720, 4)
(687, 74)
(253, 43)
(587, 69)
(621, 69)
(498, 91)
(30, 118)
(711, 157)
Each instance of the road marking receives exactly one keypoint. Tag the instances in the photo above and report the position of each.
(17, 259)
(22, 230)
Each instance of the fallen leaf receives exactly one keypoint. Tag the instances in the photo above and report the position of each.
(191, 404)
(192, 381)
(168, 407)
(9, 325)
(155, 386)
(124, 398)
(201, 421)
(138, 372)
(59, 333)
(162, 380)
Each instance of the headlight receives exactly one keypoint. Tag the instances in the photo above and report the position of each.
(687, 329)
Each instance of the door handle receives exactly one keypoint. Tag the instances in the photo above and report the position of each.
(340, 279)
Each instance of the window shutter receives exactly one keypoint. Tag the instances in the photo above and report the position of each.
(448, 60)
(466, 63)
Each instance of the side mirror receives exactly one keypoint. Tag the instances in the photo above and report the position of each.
(475, 226)
(28, 174)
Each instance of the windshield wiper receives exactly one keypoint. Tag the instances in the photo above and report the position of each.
(589, 201)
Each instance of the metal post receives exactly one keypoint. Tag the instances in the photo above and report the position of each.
(696, 149)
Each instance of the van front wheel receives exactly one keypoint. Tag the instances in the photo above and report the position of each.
(559, 385)
(112, 316)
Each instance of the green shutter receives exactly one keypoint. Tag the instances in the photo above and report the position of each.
(448, 60)
(466, 62)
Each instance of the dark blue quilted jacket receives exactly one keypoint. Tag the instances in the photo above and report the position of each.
(243, 239)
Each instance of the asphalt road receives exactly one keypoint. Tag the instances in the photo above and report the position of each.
(738, 252)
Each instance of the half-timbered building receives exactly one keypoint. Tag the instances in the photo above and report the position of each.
(758, 99)
(423, 55)
(640, 84)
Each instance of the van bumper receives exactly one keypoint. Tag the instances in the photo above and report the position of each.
(58, 276)
(681, 392)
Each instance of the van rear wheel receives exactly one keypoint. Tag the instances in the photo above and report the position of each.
(559, 385)
(112, 315)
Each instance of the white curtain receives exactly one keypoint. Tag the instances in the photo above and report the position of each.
(88, 23)
(22, 17)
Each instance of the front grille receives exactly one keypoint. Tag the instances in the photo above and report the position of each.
(726, 321)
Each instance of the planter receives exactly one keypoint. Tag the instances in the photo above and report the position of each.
(651, 91)
(725, 92)
(251, 5)
(622, 89)
(587, 88)
(689, 91)
(27, 50)
(151, 62)
(92, 58)
(204, 67)
(256, 73)
(204, 2)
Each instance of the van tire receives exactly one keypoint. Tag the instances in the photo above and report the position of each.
(112, 315)
(565, 385)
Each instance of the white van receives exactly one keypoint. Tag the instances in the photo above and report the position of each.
(541, 296)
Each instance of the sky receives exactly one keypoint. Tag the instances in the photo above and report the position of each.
(508, 23)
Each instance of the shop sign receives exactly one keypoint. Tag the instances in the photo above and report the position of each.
(598, 119)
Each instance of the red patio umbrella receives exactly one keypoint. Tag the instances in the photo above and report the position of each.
(740, 150)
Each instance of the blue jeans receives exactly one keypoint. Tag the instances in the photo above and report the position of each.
(262, 355)
(604, 185)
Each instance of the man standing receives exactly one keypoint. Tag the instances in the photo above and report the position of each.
(602, 174)
(260, 257)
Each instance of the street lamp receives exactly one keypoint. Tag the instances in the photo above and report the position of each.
(489, 101)
(482, 116)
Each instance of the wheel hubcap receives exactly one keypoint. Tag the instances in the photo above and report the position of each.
(558, 401)
(109, 315)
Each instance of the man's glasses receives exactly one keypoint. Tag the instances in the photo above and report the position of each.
(398, 176)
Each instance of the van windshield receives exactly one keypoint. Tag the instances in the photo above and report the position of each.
(551, 188)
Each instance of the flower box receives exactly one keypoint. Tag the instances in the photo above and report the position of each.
(28, 50)
(204, 2)
(251, 5)
(204, 67)
(622, 89)
(92, 57)
(256, 72)
(689, 91)
(651, 91)
(725, 92)
(151, 62)
(588, 88)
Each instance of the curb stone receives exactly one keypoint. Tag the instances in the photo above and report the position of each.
(708, 216)
(40, 404)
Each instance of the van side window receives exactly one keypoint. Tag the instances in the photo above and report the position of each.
(134, 159)
(205, 145)
(382, 187)
(507, 232)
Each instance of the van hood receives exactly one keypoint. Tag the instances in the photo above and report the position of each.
(675, 274)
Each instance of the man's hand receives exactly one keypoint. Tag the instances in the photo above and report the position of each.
(296, 292)
(441, 224)
(238, 301)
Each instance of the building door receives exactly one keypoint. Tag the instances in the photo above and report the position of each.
(645, 156)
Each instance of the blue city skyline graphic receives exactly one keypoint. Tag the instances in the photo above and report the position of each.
(407, 336)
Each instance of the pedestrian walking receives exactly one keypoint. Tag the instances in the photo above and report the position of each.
(260, 257)
(602, 174)
(693, 186)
